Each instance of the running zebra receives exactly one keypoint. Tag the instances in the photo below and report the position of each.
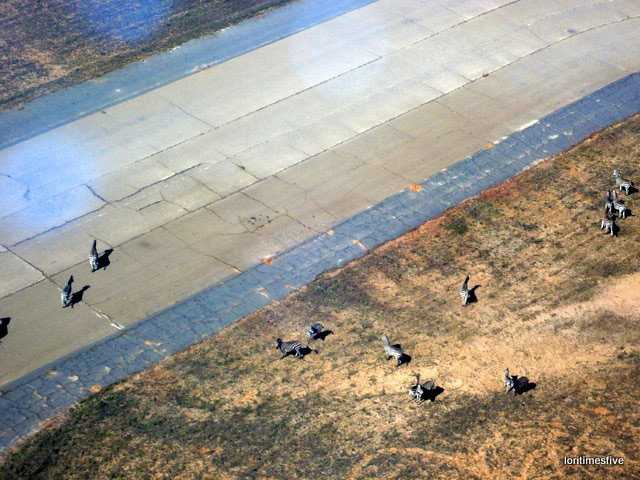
(315, 331)
(296, 348)
(465, 293)
(66, 293)
(392, 350)
(608, 224)
(509, 382)
(94, 260)
(622, 183)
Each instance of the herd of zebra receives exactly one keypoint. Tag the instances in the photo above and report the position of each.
(419, 391)
(615, 207)
(514, 384)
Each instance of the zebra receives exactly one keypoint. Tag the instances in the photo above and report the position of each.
(392, 350)
(296, 348)
(419, 391)
(509, 382)
(465, 293)
(608, 201)
(620, 209)
(66, 293)
(608, 224)
(622, 183)
(94, 260)
(314, 331)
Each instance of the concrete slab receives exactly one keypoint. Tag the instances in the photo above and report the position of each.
(376, 143)
(318, 136)
(45, 215)
(185, 192)
(382, 107)
(35, 313)
(244, 250)
(204, 223)
(207, 94)
(290, 199)
(438, 17)
(431, 120)
(473, 8)
(189, 154)
(564, 24)
(60, 248)
(127, 181)
(268, 158)
(223, 177)
(319, 170)
(160, 122)
(240, 209)
(609, 44)
(115, 224)
(16, 274)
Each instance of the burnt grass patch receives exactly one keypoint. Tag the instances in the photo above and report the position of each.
(229, 408)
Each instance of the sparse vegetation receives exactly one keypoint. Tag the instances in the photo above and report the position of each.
(558, 302)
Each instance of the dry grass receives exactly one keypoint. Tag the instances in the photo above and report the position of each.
(52, 45)
(558, 303)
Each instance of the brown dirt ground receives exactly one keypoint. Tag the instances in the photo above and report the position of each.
(558, 303)
(49, 45)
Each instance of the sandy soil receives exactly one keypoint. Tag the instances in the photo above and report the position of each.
(558, 303)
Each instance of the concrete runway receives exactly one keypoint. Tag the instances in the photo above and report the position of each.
(200, 179)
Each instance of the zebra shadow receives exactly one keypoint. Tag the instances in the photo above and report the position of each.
(405, 358)
(473, 298)
(4, 327)
(76, 297)
(430, 394)
(615, 228)
(324, 334)
(103, 260)
(306, 351)
(522, 385)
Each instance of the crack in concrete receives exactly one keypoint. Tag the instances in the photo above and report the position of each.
(171, 202)
(299, 92)
(95, 194)
(189, 114)
(306, 197)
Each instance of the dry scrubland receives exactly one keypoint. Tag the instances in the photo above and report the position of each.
(558, 302)
(46, 46)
